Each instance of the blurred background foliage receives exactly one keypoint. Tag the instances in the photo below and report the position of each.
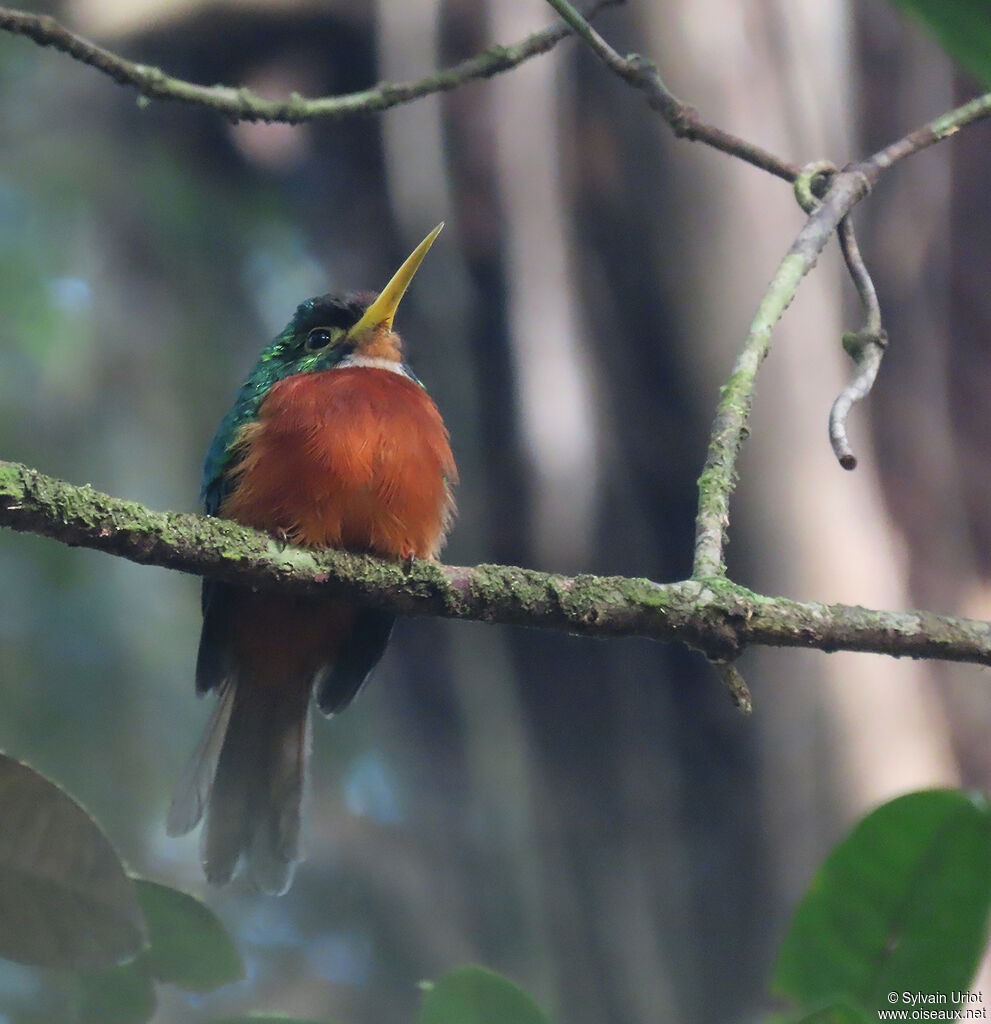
(592, 819)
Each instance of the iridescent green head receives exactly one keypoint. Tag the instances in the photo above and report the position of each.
(324, 333)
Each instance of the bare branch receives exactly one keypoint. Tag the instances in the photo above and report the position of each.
(683, 118)
(935, 131)
(242, 104)
(714, 616)
(736, 685)
(733, 411)
(865, 347)
(861, 278)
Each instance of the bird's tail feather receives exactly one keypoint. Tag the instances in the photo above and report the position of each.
(192, 791)
(248, 775)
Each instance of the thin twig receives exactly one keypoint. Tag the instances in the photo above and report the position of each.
(683, 118)
(241, 104)
(866, 350)
(736, 685)
(717, 617)
(935, 131)
(730, 424)
(865, 347)
(813, 183)
(861, 278)
(733, 411)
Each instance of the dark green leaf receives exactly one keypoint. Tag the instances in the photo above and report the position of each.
(117, 995)
(838, 1013)
(962, 27)
(901, 905)
(65, 900)
(187, 944)
(266, 1019)
(474, 995)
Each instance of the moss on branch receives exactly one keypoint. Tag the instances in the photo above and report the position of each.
(713, 615)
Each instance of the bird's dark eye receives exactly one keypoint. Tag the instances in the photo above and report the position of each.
(318, 338)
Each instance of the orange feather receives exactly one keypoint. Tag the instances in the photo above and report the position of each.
(356, 457)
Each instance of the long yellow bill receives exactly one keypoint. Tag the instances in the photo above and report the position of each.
(381, 312)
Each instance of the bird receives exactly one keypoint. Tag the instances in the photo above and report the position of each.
(332, 442)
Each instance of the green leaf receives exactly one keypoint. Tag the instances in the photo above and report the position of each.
(117, 995)
(65, 900)
(901, 905)
(474, 995)
(838, 1013)
(962, 28)
(188, 945)
(265, 1019)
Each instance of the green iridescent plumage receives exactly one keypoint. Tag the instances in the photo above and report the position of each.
(288, 354)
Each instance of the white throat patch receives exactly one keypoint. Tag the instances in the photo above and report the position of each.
(372, 363)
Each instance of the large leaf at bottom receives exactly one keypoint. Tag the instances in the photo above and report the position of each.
(265, 1018)
(115, 995)
(474, 995)
(902, 904)
(839, 1013)
(65, 900)
(187, 943)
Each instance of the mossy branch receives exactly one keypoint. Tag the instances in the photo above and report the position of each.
(708, 612)
(730, 425)
(846, 189)
(729, 428)
(715, 616)
(241, 104)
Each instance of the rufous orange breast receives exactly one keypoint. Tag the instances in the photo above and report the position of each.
(356, 457)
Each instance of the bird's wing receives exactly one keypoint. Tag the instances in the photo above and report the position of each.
(338, 682)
